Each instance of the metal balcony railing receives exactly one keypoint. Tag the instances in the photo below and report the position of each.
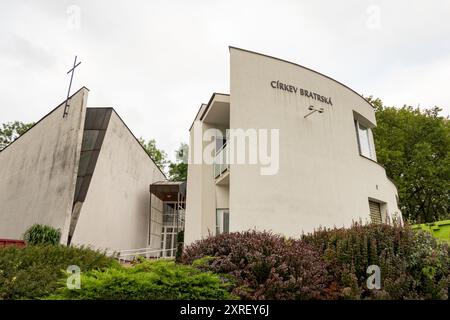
(221, 161)
(149, 253)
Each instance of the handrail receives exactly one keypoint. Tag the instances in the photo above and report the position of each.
(222, 147)
(129, 250)
(142, 251)
(221, 161)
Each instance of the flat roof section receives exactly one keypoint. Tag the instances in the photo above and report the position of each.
(204, 108)
(218, 111)
(169, 190)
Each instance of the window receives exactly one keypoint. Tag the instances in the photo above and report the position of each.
(222, 221)
(375, 211)
(364, 141)
(168, 241)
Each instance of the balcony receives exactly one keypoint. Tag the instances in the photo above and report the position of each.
(221, 163)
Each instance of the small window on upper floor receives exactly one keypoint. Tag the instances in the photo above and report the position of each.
(365, 144)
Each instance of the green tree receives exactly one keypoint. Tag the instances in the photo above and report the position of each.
(178, 169)
(10, 131)
(414, 147)
(158, 155)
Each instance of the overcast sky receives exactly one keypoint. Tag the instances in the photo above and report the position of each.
(156, 61)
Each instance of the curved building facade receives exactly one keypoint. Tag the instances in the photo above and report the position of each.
(292, 150)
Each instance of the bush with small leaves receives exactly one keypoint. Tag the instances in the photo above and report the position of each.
(149, 280)
(328, 263)
(34, 271)
(413, 265)
(42, 235)
(265, 266)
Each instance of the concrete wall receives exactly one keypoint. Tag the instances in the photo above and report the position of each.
(38, 172)
(115, 214)
(222, 196)
(200, 219)
(322, 179)
(193, 218)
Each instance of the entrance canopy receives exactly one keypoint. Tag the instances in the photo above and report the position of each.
(169, 190)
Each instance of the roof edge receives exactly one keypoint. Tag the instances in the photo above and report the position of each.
(309, 69)
(137, 140)
(208, 105)
(45, 116)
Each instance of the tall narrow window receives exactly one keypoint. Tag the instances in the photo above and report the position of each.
(364, 143)
(375, 211)
(222, 221)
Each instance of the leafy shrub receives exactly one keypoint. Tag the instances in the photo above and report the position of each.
(33, 272)
(264, 265)
(329, 263)
(180, 236)
(155, 280)
(42, 234)
(180, 244)
(413, 265)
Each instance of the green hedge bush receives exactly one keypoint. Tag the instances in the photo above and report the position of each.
(149, 280)
(34, 271)
(40, 234)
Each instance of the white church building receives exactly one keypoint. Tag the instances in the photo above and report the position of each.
(288, 149)
(291, 150)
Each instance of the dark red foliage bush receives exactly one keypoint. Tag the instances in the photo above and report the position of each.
(264, 265)
(413, 264)
(329, 264)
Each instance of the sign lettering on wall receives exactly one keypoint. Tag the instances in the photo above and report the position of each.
(276, 84)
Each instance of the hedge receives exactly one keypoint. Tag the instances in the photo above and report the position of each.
(34, 271)
(265, 265)
(148, 280)
(329, 263)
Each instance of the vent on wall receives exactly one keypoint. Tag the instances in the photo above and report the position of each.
(375, 211)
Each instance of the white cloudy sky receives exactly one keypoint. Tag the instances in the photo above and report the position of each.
(156, 61)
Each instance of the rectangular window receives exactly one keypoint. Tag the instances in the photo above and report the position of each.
(375, 211)
(222, 221)
(364, 143)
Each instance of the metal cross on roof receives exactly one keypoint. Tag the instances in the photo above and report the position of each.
(66, 107)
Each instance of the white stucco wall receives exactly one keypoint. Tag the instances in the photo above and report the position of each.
(115, 214)
(193, 217)
(222, 197)
(38, 172)
(200, 217)
(322, 179)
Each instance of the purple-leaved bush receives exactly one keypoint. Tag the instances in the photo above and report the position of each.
(264, 265)
(328, 263)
